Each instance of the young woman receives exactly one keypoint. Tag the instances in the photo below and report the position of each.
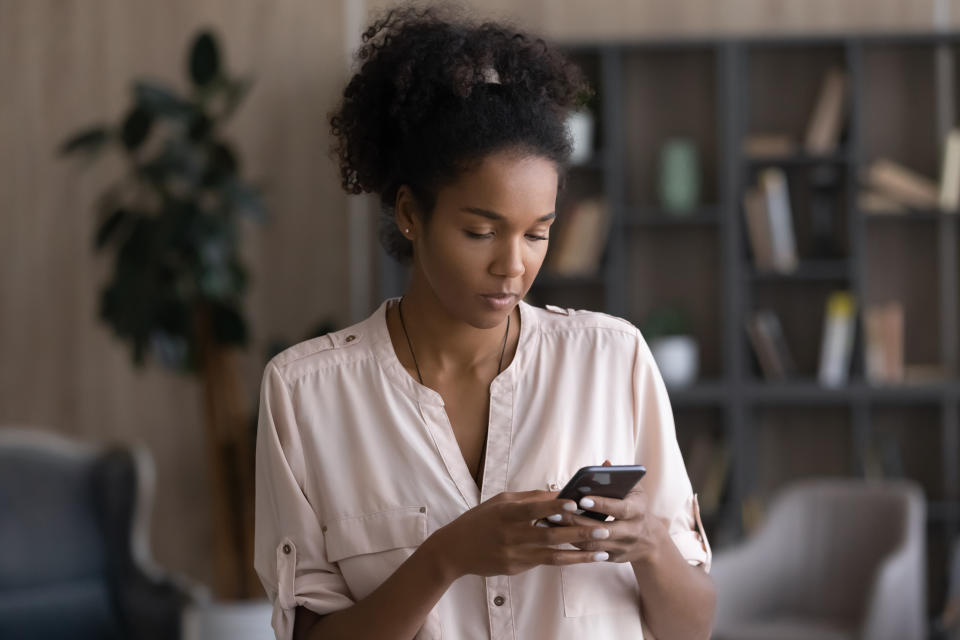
(404, 463)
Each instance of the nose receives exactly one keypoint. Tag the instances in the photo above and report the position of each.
(508, 262)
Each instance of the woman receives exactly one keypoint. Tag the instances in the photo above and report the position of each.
(403, 462)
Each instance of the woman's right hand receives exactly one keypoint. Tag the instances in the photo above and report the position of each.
(500, 537)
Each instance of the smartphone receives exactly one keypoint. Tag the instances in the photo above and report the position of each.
(607, 482)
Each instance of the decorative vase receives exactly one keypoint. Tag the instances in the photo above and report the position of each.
(580, 124)
(678, 359)
(679, 176)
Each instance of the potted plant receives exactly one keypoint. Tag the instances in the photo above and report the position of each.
(676, 352)
(171, 224)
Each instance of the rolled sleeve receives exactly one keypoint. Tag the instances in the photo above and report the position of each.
(670, 495)
(289, 552)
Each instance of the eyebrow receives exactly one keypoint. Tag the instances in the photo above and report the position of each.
(493, 215)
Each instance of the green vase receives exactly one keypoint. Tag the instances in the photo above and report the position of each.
(679, 176)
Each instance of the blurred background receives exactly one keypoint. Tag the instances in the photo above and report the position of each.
(767, 188)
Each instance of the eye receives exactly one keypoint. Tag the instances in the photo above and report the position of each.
(471, 234)
(536, 237)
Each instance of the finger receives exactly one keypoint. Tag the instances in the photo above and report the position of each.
(534, 510)
(560, 557)
(562, 535)
(606, 463)
(619, 509)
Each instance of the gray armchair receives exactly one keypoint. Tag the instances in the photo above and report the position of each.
(836, 559)
(74, 551)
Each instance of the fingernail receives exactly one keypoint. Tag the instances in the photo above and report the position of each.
(555, 517)
(600, 556)
(569, 506)
(600, 533)
(586, 502)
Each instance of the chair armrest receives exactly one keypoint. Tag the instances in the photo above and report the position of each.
(896, 605)
(747, 585)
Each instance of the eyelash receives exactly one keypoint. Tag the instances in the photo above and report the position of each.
(480, 236)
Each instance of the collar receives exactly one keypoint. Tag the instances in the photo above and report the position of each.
(392, 367)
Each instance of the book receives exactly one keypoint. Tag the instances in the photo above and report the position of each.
(582, 239)
(768, 144)
(773, 354)
(758, 229)
(883, 352)
(875, 203)
(838, 334)
(773, 182)
(826, 121)
(950, 173)
(903, 185)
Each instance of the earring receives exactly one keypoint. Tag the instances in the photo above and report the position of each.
(406, 230)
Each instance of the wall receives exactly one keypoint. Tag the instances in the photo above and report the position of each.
(67, 63)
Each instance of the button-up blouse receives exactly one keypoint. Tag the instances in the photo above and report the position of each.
(357, 464)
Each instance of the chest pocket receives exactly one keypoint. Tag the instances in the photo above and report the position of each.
(599, 587)
(368, 548)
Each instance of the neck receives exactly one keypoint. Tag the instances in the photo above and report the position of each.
(446, 345)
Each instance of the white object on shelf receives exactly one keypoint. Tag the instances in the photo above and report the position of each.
(237, 620)
(580, 125)
(678, 359)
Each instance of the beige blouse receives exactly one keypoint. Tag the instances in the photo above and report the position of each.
(357, 465)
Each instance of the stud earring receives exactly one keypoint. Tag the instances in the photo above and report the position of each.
(406, 230)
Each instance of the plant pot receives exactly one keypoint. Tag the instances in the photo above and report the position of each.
(678, 359)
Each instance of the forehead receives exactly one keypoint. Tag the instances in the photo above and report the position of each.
(507, 183)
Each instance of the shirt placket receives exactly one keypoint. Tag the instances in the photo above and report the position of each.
(499, 438)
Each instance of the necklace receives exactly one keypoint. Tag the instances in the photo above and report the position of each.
(503, 349)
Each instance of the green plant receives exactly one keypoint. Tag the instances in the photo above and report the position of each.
(666, 321)
(172, 220)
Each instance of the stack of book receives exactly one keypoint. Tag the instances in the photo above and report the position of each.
(770, 223)
(824, 127)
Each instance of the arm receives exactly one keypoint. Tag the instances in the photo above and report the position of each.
(677, 599)
(396, 609)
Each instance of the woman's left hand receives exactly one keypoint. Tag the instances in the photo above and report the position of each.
(635, 536)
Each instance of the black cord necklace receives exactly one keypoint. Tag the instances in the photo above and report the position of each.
(503, 349)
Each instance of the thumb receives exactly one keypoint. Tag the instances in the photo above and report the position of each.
(607, 463)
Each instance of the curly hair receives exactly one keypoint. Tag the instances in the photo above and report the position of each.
(436, 93)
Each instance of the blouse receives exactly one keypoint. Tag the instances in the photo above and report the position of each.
(357, 464)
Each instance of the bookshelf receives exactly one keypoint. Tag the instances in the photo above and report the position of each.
(903, 95)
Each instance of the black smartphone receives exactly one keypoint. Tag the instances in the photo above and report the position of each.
(607, 482)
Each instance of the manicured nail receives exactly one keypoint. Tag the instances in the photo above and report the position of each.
(569, 506)
(600, 533)
(600, 556)
(555, 517)
(586, 502)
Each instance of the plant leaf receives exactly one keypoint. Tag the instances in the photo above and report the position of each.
(136, 127)
(161, 101)
(90, 140)
(109, 227)
(204, 59)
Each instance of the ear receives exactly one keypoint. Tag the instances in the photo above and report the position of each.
(406, 213)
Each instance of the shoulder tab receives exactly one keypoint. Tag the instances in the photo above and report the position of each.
(345, 338)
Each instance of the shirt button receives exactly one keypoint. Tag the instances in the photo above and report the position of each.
(554, 486)
(499, 600)
(351, 338)
(286, 548)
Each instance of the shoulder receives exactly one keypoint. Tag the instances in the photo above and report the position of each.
(559, 321)
(325, 353)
